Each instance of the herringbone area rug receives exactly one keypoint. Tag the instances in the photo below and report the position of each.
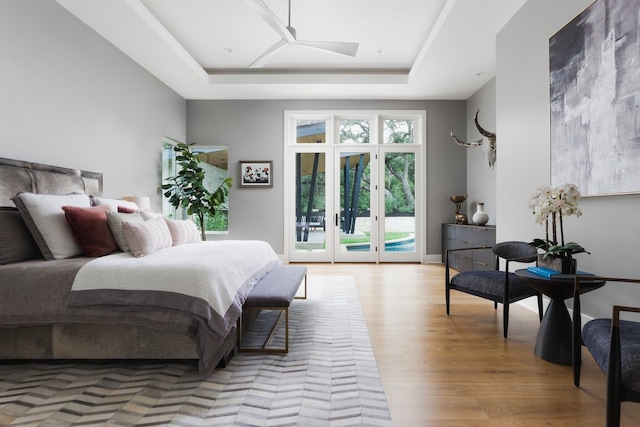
(328, 378)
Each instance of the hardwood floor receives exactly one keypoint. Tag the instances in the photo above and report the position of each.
(458, 370)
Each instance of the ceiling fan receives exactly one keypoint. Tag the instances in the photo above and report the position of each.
(288, 34)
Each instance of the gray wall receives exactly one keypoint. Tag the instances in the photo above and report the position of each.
(608, 228)
(253, 130)
(69, 98)
(481, 181)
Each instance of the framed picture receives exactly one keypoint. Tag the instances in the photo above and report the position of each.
(256, 174)
(594, 100)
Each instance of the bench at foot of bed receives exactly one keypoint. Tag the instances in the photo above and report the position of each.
(274, 292)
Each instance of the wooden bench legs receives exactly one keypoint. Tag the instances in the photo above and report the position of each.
(283, 314)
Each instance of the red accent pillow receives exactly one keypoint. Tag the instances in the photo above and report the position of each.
(124, 209)
(91, 230)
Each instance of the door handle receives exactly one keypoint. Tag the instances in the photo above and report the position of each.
(337, 220)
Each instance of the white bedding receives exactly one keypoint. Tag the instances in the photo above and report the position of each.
(213, 271)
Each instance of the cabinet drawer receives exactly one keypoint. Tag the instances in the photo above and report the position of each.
(460, 236)
(448, 231)
(484, 260)
(463, 261)
(464, 234)
(484, 236)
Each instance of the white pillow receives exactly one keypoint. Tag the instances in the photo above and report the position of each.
(114, 203)
(183, 231)
(115, 220)
(147, 215)
(45, 220)
(144, 238)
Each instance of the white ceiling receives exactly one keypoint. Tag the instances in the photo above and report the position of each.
(408, 49)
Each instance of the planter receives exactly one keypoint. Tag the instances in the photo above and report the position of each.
(561, 265)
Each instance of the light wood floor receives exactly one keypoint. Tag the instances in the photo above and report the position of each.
(458, 370)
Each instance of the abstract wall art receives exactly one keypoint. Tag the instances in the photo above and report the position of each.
(594, 66)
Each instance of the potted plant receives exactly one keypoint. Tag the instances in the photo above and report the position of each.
(187, 190)
(550, 205)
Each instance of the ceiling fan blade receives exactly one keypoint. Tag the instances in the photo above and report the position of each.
(271, 19)
(268, 54)
(342, 48)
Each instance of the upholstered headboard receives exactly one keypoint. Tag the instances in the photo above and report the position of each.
(17, 175)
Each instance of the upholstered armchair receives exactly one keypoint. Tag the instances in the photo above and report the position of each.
(614, 345)
(499, 286)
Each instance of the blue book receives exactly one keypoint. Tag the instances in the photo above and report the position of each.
(551, 274)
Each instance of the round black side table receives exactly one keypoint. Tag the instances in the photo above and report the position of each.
(554, 336)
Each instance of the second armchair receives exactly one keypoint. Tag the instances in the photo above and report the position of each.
(499, 286)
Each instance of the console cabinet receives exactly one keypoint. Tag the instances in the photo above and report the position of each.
(458, 236)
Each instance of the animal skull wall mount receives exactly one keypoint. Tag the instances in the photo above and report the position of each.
(488, 143)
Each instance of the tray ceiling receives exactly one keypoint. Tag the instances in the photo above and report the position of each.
(407, 49)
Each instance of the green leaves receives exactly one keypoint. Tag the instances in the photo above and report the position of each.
(552, 249)
(187, 189)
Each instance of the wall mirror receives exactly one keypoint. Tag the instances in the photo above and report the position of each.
(215, 162)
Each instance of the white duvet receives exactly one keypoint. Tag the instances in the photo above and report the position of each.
(212, 271)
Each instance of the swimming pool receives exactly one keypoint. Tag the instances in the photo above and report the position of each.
(404, 245)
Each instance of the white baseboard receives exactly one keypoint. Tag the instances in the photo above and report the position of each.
(432, 259)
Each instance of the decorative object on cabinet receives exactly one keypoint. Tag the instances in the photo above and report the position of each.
(550, 205)
(460, 236)
(613, 343)
(256, 173)
(594, 130)
(458, 200)
(480, 217)
(488, 143)
(499, 286)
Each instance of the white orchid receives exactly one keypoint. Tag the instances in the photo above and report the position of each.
(553, 204)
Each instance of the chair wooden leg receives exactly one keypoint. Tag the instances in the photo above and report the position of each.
(613, 378)
(540, 309)
(447, 298)
(613, 413)
(447, 277)
(576, 338)
(505, 319)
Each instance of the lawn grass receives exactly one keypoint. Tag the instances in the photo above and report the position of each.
(348, 240)
(392, 235)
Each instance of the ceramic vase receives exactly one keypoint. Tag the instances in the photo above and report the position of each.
(480, 217)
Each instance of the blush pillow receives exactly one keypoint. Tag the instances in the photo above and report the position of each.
(91, 230)
(147, 237)
(113, 203)
(115, 220)
(183, 231)
(45, 220)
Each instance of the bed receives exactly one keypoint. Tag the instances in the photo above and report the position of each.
(114, 305)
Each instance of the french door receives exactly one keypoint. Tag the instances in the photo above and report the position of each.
(354, 186)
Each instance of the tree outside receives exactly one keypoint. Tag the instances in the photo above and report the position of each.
(399, 169)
